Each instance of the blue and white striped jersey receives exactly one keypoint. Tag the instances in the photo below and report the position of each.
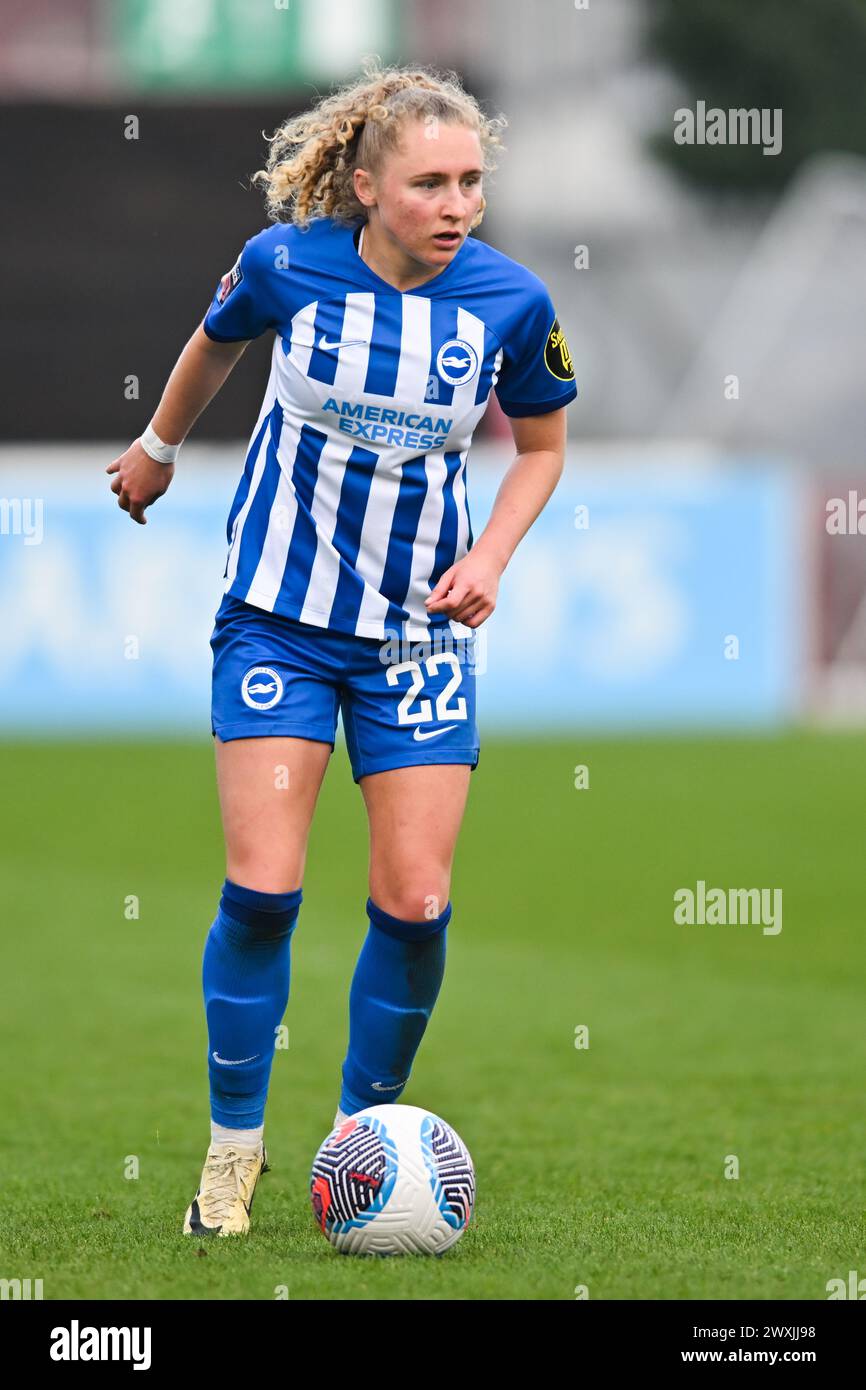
(353, 499)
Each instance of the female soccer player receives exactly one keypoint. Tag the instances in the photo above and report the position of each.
(352, 582)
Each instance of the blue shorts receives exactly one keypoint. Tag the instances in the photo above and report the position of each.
(273, 675)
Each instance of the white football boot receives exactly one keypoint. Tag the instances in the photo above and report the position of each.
(222, 1205)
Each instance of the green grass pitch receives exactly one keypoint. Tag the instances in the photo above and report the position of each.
(602, 1166)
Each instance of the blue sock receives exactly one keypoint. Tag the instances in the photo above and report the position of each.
(394, 988)
(245, 976)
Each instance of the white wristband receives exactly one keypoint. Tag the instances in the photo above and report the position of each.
(153, 445)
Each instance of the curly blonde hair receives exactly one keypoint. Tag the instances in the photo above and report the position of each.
(312, 157)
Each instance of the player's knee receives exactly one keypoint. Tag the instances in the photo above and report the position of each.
(418, 899)
(265, 875)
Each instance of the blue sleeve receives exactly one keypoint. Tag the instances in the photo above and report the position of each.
(536, 374)
(241, 307)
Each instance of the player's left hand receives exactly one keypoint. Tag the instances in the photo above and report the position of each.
(467, 591)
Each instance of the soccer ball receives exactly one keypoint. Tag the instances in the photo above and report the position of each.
(393, 1180)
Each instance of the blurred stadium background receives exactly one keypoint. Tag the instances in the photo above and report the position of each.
(681, 618)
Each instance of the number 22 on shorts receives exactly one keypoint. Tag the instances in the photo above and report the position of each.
(424, 713)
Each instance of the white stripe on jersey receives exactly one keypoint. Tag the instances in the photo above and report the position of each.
(349, 378)
(303, 339)
(414, 368)
(424, 549)
(326, 562)
(462, 512)
(373, 550)
(258, 470)
(268, 578)
(357, 325)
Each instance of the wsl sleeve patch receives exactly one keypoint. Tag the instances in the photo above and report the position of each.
(557, 357)
(231, 278)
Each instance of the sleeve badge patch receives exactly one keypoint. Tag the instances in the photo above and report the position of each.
(557, 357)
(231, 278)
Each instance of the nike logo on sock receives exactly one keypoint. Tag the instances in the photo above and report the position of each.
(224, 1062)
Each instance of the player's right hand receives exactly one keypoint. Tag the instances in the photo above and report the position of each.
(140, 480)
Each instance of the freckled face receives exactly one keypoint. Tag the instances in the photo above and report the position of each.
(429, 192)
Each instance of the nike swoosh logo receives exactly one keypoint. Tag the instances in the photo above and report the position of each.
(346, 342)
(377, 1086)
(225, 1063)
(421, 736)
